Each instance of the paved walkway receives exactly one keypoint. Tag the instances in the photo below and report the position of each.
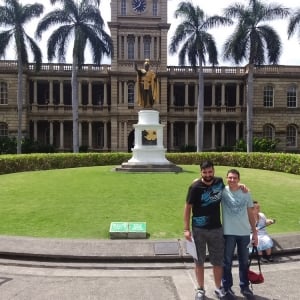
(116, 250)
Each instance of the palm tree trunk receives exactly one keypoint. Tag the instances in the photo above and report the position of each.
(200, 109)
(75, 105)
(20, 106)
(250, 109)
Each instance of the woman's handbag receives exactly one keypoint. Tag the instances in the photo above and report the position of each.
(255, 278)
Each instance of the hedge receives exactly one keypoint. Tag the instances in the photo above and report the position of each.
(281, 162)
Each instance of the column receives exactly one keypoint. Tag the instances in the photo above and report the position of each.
(186, 133)
(120, 93)
(172, 93)
(35, 130)
(80, 133)
(196, 94)
(61, 135)
(61, 92)
(237, 131)
(105, 135)
(35, 92)
(80, 93)
(172, 135)
(152, 48)
(222, 134)
(126, 47)
(90, 92)
(105, 94)
(213, 94)
(51, 132)
(51, 92)
(125, 134)
(213, 135)
(223, 95)
(125, 93)
(196, 130)
(120, 143)
(186, 94)
(136, 54)
(90, 135)
(237, 96)
(142, 48)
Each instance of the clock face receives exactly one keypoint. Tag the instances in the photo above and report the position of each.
(139, 5)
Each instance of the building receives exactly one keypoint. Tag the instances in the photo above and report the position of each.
(107, 93)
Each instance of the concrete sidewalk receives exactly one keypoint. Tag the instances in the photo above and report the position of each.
(126, 250)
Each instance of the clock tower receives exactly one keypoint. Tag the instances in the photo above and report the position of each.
(139, 30)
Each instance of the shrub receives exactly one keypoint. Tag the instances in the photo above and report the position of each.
(281, 162)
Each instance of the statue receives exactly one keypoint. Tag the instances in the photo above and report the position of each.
(147, 88)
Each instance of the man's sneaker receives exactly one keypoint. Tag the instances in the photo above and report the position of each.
(264, 260)
(220, 294)
(247, 293)
(200, 294)
(229, 294)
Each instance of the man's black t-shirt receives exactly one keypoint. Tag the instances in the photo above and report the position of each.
(206, 200)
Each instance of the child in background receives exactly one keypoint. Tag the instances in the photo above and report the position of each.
(265, 243)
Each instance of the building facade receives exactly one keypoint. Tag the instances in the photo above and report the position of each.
(107, 94)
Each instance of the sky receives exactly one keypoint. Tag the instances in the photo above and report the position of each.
(291, 47)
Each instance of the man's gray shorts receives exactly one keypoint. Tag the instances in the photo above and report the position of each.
(214, 240)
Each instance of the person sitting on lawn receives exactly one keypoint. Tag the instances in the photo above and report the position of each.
(265, 243)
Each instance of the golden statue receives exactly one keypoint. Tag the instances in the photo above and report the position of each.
(147, 88)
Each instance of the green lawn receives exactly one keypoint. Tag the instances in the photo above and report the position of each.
(81, 203)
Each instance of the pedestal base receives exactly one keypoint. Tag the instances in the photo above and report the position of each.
(148, 152)
(131, 167)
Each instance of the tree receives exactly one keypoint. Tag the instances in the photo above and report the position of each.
(197, 43)
(14, 16)
(294, 23)
(83, 23)
(253, 41)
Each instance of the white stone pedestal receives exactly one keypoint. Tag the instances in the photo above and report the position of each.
(148, 152)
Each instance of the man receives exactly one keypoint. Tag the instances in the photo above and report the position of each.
(203, 199)
(238, 220)
(147, 91)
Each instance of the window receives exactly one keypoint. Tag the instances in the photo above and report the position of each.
(291, 136)
(291, 97)
(3, 93)
(147, 46)
(130, 94)
(123, 8)
(268, 132)
(154, 10)
(3, 130)
(268, 96)
(130, 41)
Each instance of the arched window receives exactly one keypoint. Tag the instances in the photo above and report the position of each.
(3, 130)
(130, 41)
(268, 96)
(291, 136)
(147, 46)
(154, 10)
(3, 93)
(291, 96)
(131, 94)
(268, 132)
(123, 8)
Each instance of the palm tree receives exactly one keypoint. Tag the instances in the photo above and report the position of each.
(197, 43)
(82, 22)
(294, 22)
(253, 41)
(14, 16)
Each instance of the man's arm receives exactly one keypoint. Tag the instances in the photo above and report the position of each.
(252, 222)
(186, 221)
